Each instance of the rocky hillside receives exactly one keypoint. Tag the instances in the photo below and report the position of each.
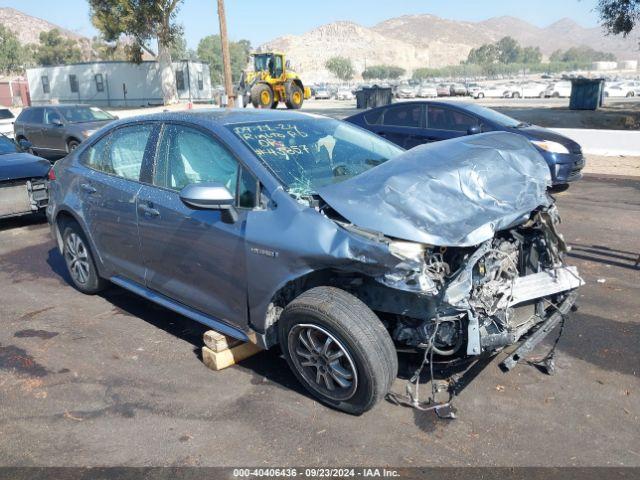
(28, 28)
(414, 41)
(309, 52)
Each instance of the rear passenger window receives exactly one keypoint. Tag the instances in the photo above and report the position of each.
(120, 153)
(403, 116)
(373, 117)
(94, 155)
(187, 155)
(126, 151)
(440, 118)
(37, 115)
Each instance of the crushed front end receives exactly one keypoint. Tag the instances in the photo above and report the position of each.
(490, 296)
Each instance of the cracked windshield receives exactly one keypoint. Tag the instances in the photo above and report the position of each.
(308, 154)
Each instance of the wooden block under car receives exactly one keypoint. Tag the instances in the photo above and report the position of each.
(219, 342)
(226, 358)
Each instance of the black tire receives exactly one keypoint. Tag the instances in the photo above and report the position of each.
(630, 94)
(83, 271)
(262, 96)
(368, 353)
(295, 97)
(72, 145)
(481, 95)
(556, 95)
(515, 95)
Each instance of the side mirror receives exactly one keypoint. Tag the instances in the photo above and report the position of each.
(25, 144)
(474, 130)
(210, 196)
(56, 122)
(287, 64)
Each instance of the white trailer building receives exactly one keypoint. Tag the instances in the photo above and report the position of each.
(116, 84)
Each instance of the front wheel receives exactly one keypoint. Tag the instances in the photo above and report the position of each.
(338, 349)
(262, 96)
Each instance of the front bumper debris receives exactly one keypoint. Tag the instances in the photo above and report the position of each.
(543, 330)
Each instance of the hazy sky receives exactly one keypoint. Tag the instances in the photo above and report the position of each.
(262, 20)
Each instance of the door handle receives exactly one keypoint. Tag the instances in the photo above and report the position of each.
(149, 211)
(87, 188)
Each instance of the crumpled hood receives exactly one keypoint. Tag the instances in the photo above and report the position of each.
(14, 166)
(452, 193)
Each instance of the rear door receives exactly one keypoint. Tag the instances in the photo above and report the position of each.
(402, 124)
(108, 190)
(32, 128)
(444, 123)
(195, 257)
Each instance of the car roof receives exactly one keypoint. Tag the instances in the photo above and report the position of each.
(225, 116)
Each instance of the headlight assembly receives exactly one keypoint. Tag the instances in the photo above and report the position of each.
(549, 146)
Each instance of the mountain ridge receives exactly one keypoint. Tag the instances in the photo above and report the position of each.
(426, 40)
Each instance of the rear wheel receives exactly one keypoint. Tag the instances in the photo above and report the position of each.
(79, 260)
(262, 96)
(630, 94)
(516, 95)
(338, 349)
(295, 97)
(481, 95)
(72, 145)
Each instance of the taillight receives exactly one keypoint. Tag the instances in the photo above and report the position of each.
(52, 175)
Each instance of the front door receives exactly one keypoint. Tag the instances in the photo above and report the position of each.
(53, 131)
(444, 123)
(108, 193)
(195, 257)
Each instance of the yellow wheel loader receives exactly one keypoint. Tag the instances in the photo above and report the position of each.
(271, 82)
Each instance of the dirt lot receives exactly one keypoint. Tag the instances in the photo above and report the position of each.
(115, 380)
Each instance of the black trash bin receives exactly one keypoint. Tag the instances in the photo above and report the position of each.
(586, 93)
(375, 96)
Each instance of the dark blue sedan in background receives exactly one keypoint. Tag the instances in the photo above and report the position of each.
(409, 124)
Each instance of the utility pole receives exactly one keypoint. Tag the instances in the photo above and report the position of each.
(226, 58)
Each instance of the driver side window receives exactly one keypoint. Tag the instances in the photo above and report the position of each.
(187, 155)
(51, 116)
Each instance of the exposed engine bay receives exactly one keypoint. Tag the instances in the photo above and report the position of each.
(490, 296)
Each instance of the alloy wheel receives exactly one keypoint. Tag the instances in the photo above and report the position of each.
(77, 258)
(323, 361)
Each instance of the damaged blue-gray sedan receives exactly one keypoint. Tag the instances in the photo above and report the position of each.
(287, 229)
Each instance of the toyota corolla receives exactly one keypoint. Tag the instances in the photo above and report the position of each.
(281, 228)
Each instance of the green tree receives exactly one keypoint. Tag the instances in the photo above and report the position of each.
(531, 55)
(483, 55)
(111, 51)
(556, 56)
(619, 16)
(584, 54)
(509, 50)
(383, 72)
(210, 51)
(143, 21)
(341, 67)
(54, 49)
(12, 53)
